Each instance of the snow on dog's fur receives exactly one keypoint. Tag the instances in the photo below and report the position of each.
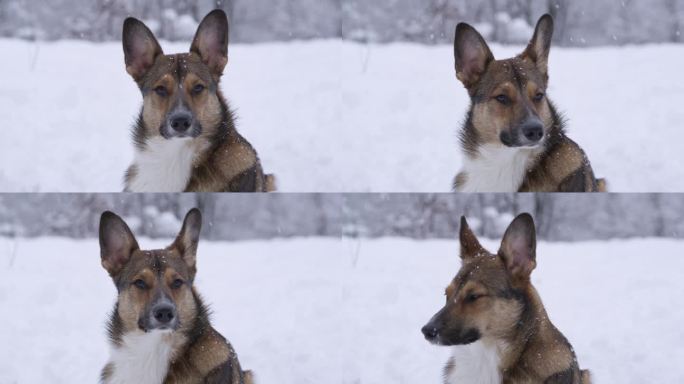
(185, 137)
(513, 139)
(159, 330)
(494, 318)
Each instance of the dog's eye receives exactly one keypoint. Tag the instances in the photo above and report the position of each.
(472, 297)
(177, 284)
(140, 284)
(161, 91)
(503, 99)
(538, 97)
(197, 88)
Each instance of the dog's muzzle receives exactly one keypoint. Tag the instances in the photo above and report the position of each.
(162, 316)
(530, 133)
(180, 125)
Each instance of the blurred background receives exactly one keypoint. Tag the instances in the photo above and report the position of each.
(559, 217)
(578, 22)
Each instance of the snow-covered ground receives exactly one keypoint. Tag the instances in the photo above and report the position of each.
(335, 116)
(345, 311)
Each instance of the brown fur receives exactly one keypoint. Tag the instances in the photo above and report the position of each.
(223, 159)
(200, 354)
(505, 96)
(492, 300)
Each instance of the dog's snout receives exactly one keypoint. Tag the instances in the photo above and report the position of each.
(180, 122)
(164, 314)
(533, 130)
(430, 332)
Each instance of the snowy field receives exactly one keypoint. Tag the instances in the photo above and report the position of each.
(335, 116)
(345, 311)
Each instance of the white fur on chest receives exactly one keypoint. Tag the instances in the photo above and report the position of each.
(497, 168)
(141, 358)
(475, 363)
(164, 166)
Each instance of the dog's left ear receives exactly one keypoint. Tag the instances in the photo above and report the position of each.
(538, 49)
(188, 237)
(519, 247)
(211, 41)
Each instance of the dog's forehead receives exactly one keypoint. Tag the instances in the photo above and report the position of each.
(157, 261)
(176, 66)
(516, 71)
(486, 269)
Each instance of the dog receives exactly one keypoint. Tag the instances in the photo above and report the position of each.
(513, 139)
(159, 330)
(495, 319)
(185, 137)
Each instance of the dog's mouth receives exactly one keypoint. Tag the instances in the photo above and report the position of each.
(161, 328)
(470, 336)
(147, 325)
(444, 336)
(191, 133)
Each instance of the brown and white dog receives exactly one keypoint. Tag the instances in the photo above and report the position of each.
(185, 137)
(159, 330)
(495, 320)
(513, 138)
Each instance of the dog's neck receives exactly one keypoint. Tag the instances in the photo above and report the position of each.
(497, 168)
(143, 357)
(164, 165)
(476, 363)
(534, 333)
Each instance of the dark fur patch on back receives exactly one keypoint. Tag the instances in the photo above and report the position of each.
(564, 377)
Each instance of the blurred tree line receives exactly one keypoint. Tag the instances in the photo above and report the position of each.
(566, 217)
(578, 22)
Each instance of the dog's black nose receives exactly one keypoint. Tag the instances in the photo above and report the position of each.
(430, 332)
(164, 314)
(181, 122)
(533, 130)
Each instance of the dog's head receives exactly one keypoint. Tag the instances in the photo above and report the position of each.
(486, 298)
(509, 104)
(155, 287)
(181, 96)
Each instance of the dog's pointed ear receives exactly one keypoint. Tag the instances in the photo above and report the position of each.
(211, 41)
(117, 243)
(519, 247)
(471, 53)
(470, 246)
(140, 48)
(538, 49)
(188, 237)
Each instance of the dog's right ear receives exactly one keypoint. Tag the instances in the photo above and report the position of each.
(117, 243)
(140, 48)
(470, 246)
(472, 55)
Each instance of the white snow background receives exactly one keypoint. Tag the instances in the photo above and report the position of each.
(342, 310)
(334, 116)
